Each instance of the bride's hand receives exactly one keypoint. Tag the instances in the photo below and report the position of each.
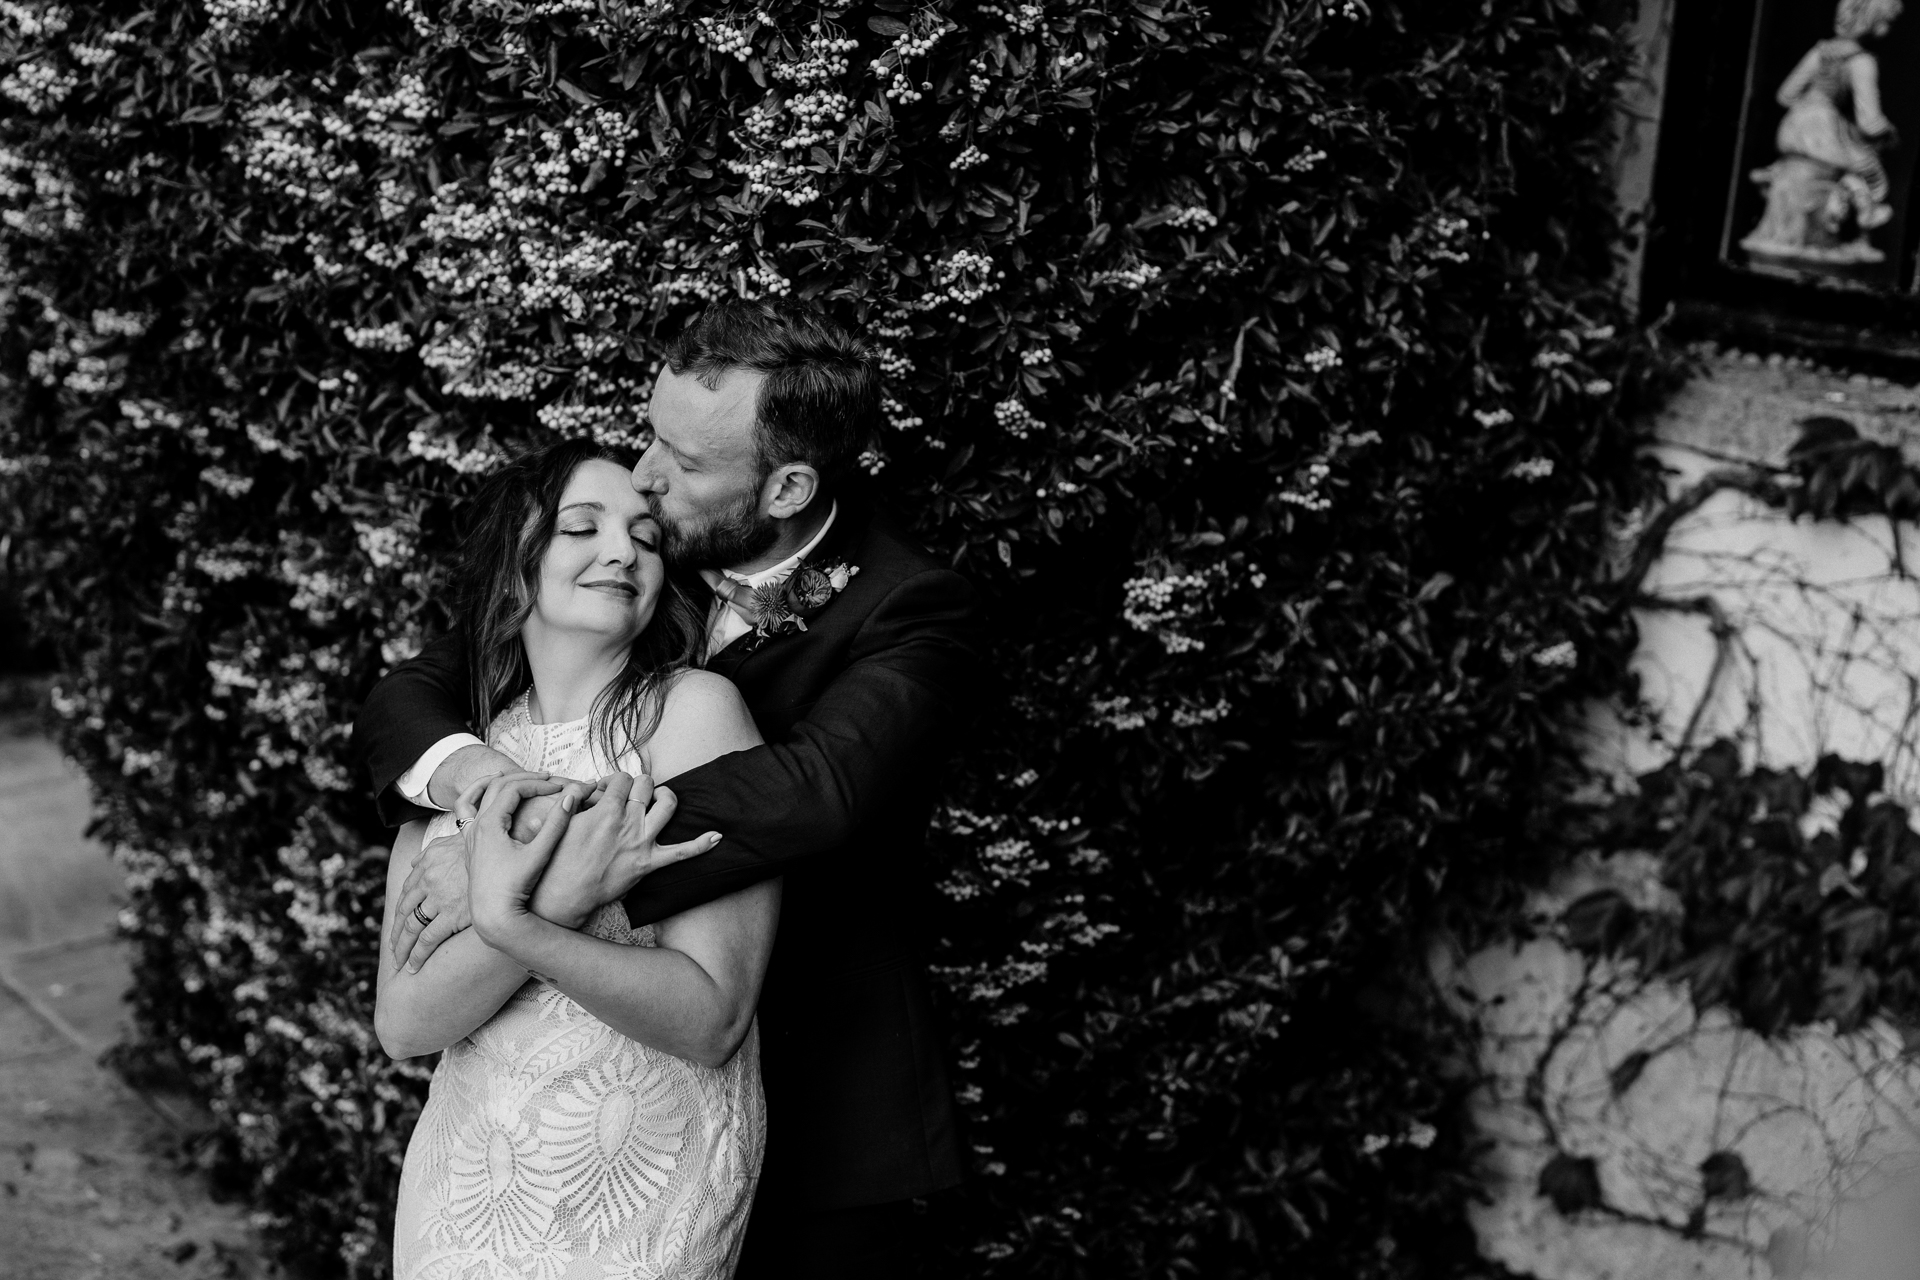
(611, 847)
(503, 871)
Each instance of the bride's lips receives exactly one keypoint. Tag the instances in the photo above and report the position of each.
(612, 585)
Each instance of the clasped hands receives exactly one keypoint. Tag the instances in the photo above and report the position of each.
(534, 844)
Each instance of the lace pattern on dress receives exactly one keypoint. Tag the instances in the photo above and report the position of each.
(554, 1148)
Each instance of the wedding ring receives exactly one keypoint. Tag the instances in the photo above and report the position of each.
(421, 916)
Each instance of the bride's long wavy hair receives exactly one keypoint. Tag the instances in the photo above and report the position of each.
(497, 582)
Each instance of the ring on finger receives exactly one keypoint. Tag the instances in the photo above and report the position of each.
(421, 916)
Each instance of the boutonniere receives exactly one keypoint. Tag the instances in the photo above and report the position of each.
(784, 607)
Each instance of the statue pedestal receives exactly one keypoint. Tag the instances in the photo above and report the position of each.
(1809, 227)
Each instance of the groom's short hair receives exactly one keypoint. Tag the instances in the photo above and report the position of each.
(820, 403)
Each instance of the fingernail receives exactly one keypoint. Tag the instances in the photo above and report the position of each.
(566, 802)
(713, 837)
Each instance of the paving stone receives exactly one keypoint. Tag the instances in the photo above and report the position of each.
(94, 1177)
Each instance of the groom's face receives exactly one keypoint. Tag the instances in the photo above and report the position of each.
(702, 474)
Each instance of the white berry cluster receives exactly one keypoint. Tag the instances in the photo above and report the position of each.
(1321, 359)
(969, 156)
(1023, 18)
(278, 150)
(1186, 717)
(481, 458)
(723, 39)
(897, 416)
(1532, 469)
(391, 336)
(764, 282)
(1039, 355)
(95, 376)
(231, 19)
(1155, 603)
(977, 81)
(1305, 161)
(146, 415)
(1493, 417)
(51, 205)
(900, 89)
(1193, 215)
(393, 119)
(554, 271)
(964, 277)
(1016, 419)
(1446, 236)
(601, 136)
(1137, 276)
(393, 199)
(823, 58)
(818, 112)
(91, 56)
(1564, 654)
(909, 45)
(38, 86)
(27, 23)
(770, 175)
(384, 545)
(226, 481)
(120, 324)
(1306, 492)
(1120, 713)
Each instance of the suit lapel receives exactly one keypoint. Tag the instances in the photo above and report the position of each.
(728, 660)
(848, 525)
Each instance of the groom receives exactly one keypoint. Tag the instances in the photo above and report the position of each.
(759, 418)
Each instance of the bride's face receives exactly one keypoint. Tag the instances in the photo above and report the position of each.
(602, 572)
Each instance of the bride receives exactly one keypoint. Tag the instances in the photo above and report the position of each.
(598, 1108)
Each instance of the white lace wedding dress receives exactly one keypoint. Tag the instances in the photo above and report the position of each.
(554, 1148)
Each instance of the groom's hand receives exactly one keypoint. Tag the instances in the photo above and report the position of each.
(436, 884)
(611, 847)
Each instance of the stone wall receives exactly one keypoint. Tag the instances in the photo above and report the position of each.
(1631, 1133)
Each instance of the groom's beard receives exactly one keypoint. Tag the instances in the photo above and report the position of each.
(724, 539)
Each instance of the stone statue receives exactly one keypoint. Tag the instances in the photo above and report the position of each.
(1828, 190)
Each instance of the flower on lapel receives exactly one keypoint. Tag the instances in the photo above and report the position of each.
(808, 590)
(785, 606)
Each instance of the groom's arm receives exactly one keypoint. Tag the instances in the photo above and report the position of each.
(874, 732)
(415, 708)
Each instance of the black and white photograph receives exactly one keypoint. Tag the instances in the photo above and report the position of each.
(959, 640)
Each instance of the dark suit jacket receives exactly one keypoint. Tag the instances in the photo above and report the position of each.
(858, 712)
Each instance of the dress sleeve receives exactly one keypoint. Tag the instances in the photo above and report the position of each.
(882, 724)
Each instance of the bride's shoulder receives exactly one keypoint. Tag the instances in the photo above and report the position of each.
(703, 716)
(696, 689)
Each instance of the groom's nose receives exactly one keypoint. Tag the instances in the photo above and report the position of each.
(646, 479)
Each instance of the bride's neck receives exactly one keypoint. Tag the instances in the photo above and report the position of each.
(569, 672)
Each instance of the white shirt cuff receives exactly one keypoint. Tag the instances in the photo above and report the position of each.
(413, 783)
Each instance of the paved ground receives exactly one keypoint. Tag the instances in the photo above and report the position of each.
(94, 1182)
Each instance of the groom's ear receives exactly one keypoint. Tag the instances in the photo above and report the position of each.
(790, 490)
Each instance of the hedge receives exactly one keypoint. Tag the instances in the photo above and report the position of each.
(1261, 362)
